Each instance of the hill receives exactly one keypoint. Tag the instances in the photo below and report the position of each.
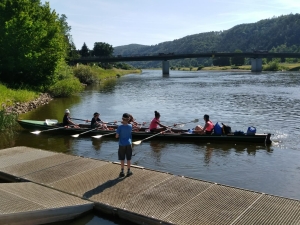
(277, 34)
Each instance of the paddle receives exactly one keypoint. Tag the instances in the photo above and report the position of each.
(139, 142)
(99, 136)
(80, 120)
(38, 131)
(182, 124)
(77, 135)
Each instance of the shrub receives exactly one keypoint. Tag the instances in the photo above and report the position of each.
(65, 88)
(7, 120)
(85, 74)
(271, 66)
(200, 67)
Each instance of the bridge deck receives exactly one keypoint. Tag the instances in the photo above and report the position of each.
(147, 197)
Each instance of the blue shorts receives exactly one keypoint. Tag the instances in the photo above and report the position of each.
(125, 151)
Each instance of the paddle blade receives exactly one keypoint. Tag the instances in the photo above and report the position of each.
(75, 135)
(137, 142)
(97, 136)
(36, 132)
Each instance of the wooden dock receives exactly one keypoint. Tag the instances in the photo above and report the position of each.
(146, 197)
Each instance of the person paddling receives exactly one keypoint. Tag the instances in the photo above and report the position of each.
(67, 122)
(155, 123)
(208, 127)
(97, 122)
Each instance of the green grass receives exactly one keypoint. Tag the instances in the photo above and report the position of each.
(10, 96)
(94, 74)
(7, 120)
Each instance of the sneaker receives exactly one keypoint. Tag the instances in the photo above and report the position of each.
(129, 174)
(121, 174)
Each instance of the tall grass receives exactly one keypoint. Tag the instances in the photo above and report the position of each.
(10, 96)
(66, 87)
(7, 120)
(94, 74)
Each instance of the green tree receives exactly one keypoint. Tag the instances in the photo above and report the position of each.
(102, 49)
(84, 51)
(31, 43)
(72, 53)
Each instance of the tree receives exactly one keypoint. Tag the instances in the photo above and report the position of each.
(72, 53)
(102, 49)
(84, 52)
(31, 43)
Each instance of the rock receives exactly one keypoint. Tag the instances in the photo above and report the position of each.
(28, 106)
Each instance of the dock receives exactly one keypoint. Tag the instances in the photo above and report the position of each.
(146, 197)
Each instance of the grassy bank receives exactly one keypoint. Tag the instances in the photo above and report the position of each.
(68, 85)
(268, 67)
(9, 96)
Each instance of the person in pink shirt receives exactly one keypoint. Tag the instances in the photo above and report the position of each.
(208, 127)
(155, 123)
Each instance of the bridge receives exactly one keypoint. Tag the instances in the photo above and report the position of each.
(256, 58)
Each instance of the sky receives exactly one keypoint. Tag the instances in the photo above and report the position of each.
(123, 22)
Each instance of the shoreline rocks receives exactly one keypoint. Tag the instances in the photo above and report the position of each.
(24, 107)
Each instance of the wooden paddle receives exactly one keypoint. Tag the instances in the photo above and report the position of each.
(77, 135)
(80, 120)
(139, 142)
(99, 136)
(38, 131)
(182, 124)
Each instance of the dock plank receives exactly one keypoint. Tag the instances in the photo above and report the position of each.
(146, 197)
(29, 203)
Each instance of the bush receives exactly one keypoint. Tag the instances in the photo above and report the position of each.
(200, 67)
(85, 74)
(66, 88)
(271, 66)
(7, 120)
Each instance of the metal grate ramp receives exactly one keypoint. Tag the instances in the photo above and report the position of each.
(146, 197)
(28, 203)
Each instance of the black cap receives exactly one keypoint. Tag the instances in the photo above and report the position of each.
(96, 113)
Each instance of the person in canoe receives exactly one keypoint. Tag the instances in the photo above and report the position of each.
(96, 122)
(155, 123)
(208, 127)
(67, 122)
(135, 125)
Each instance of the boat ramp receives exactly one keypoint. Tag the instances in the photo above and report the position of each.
(50, 186)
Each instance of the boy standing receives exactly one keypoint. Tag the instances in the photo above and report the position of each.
(125, 141)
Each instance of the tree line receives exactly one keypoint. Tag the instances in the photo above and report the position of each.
(277, 34)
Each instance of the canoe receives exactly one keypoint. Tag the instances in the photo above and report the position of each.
(178, 135)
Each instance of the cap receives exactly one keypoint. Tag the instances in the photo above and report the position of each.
(67, 111)
(96, 113)
(125, 116)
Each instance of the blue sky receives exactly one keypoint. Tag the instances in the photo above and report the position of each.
(123, 22)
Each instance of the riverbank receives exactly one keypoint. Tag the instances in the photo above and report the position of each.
(23, 107)
(23, 101)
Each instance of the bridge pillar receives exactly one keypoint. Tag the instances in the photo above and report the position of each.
(165, 67)
(256, 65)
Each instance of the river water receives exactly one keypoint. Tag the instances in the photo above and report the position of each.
(270, 101)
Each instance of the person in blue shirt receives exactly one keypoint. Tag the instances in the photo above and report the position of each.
(125, 144)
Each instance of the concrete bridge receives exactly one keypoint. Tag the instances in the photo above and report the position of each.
(256, 58)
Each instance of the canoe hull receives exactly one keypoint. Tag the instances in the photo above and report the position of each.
(34, 125)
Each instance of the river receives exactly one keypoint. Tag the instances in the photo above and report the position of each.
(270, 101)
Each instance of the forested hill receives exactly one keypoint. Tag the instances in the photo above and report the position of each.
(279, 34)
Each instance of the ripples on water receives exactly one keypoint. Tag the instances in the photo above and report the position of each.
(268, 101)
